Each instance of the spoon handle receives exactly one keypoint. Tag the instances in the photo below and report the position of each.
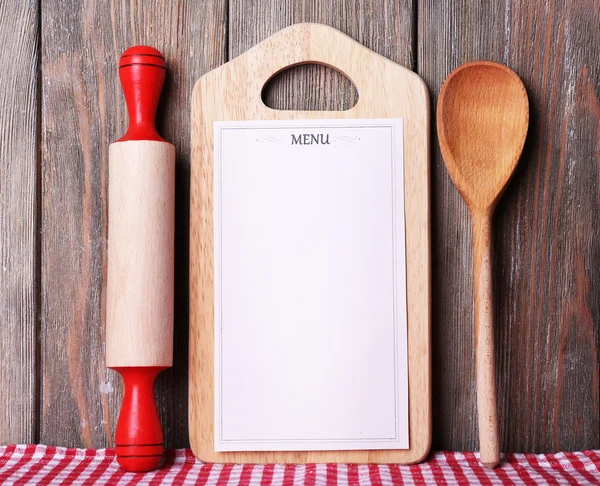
(484, 339)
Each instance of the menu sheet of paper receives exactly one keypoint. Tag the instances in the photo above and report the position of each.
(310, 286)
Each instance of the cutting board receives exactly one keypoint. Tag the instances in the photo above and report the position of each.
(232, 92)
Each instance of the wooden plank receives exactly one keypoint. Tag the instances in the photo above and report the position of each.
(231, 93)
(547, 304)
(19, 269)
(83, 112)
(384, 27)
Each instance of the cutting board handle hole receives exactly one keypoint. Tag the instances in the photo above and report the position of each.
(310, 87)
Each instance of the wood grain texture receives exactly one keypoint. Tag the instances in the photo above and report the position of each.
(19, 30)
(546, 274)
(395, 93)
(141, 228)
(482, 122)
(547, 285)
(386, 27)
(83, 112)
(485, 366)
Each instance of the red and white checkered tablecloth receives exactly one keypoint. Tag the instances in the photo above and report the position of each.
(39, 464)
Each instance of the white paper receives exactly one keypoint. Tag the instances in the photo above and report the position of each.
(310, 286)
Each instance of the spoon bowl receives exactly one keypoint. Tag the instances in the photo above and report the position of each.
(482, 116)
(482, 122)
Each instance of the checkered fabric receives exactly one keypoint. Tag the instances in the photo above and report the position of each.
(39, 464)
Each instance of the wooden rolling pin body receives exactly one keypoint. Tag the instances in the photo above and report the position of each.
(139, 317)
(141, 194)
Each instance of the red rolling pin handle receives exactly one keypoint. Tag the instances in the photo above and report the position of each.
(139, 437)
(142, 71)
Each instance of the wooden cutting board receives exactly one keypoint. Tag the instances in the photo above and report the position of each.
(233, 92)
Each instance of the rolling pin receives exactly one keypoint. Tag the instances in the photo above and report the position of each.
(139, 314)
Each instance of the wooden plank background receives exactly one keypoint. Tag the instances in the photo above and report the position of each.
(61, 105)
(546, 229)
(19, 268)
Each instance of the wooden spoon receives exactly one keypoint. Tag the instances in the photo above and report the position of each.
(482, 121)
